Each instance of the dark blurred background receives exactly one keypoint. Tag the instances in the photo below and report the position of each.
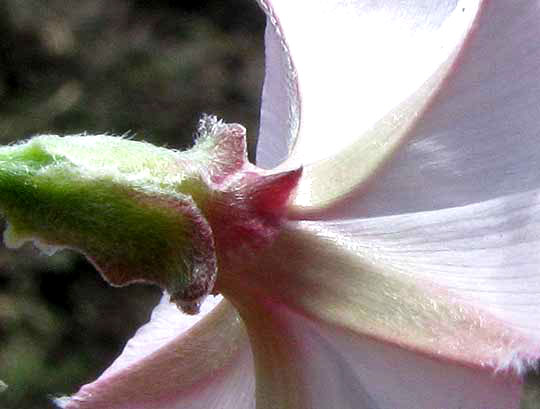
(149, 68)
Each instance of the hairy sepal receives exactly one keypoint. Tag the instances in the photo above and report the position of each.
(141, 213)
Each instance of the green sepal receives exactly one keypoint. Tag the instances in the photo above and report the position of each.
(126, 205)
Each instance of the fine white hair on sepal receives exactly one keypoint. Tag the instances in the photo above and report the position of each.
(209, 126)
(62, 401)
(516, 363)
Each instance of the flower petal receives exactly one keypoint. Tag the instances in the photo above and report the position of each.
(334, 274)
(178, 361)
(479, 138)
(280, 107)
(166, 323)
(301, 364)
(487, 253)
(331, 91)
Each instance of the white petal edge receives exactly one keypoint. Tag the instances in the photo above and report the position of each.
(178, 361)
(280, 107)
(341, 66)
(479, 138)
(301, 364)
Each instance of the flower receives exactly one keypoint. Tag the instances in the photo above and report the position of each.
(405, 274)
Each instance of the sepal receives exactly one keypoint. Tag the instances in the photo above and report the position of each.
(112, 200)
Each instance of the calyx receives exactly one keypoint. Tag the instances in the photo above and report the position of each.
(141, 213)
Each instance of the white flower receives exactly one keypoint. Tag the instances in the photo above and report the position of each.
(407, 275)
